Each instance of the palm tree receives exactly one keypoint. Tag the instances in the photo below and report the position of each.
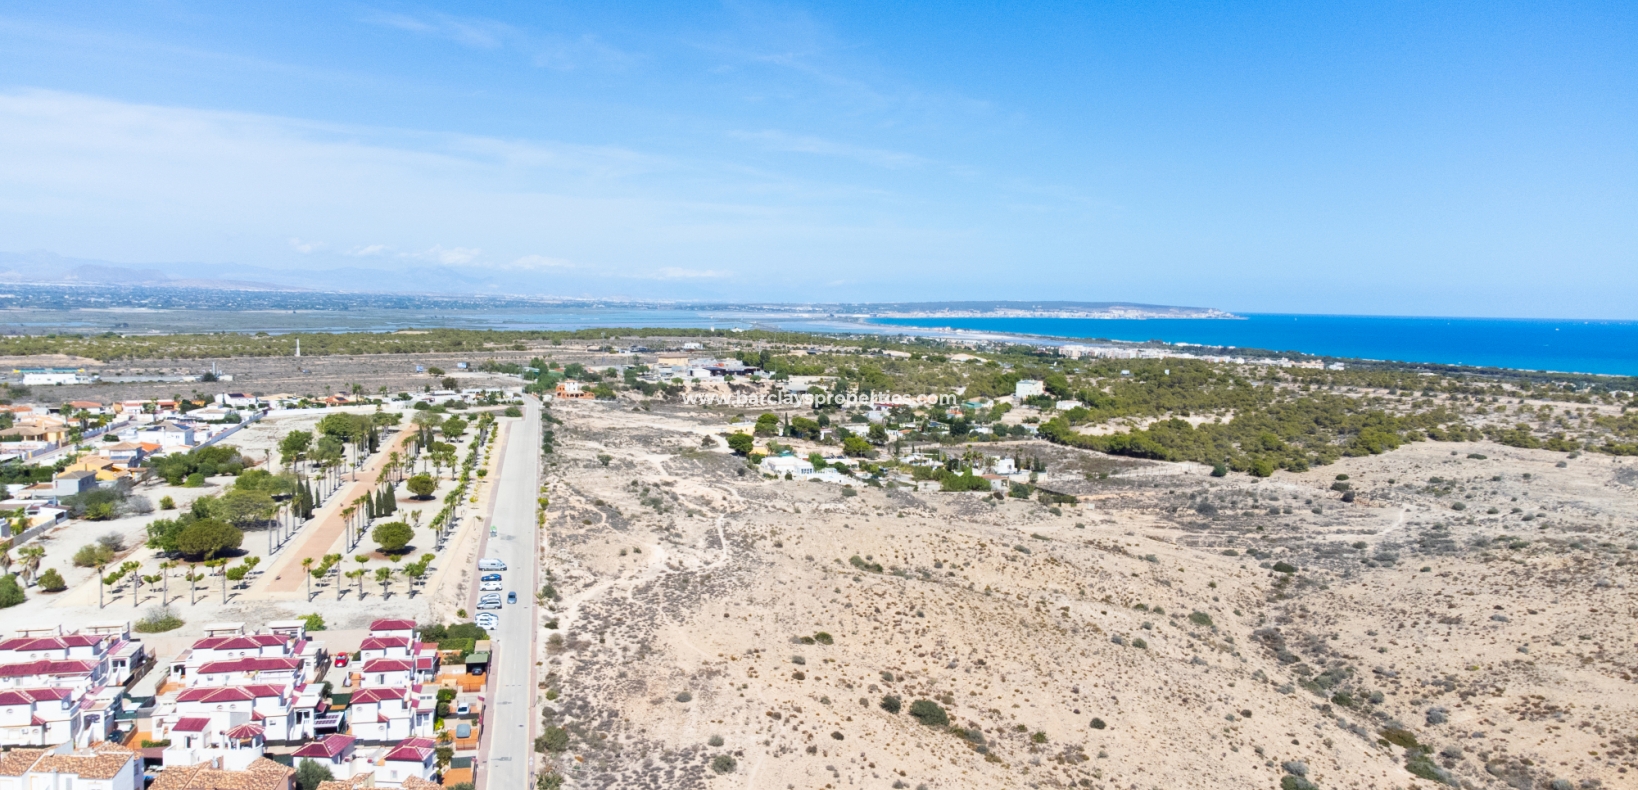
(101, 583)
(221, 570)
(5, 557)
(31, 556)
(383, 575)
(193, 578)
(165, 580)
(307, 570)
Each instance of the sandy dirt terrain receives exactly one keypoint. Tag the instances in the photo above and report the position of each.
(714, 628)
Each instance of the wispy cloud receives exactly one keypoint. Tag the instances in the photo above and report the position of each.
(306, 247)
(368, 251)
(678, 273)
(804, 144)
(467, 31)
(539, 263)
(449, 256)
(562, 52)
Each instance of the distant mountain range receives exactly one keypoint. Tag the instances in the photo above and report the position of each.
(50, 281)
(45, 268)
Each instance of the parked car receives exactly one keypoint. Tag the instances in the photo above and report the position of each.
(486, 620)
(491, 564)
(494, 596)
(511, 597)
(490, 577)
(495, 604)
(341, 659)
(490, 586)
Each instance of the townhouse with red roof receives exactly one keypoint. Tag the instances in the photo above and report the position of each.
(391, 714)
(236, 657)
(204, 739)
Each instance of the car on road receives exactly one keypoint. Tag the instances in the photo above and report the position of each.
(486, 620)
(489, 597)
(495, 604)
(491, 564)
(490, 577)
(511, 597)
(489, 586)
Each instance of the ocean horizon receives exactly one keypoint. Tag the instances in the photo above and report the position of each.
(1557, 345)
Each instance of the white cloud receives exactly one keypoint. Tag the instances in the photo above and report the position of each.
(543, 49)
(780, 141)
(539, 262)
(173, 183)
(449, 256)
(467, 31)
(679, 273)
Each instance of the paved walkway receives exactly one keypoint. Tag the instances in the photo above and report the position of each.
(287, 575)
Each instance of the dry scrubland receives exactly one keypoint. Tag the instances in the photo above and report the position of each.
(692, 595)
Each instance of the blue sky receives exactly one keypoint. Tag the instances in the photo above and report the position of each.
(1435, 159)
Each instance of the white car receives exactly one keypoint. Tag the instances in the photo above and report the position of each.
(486, 620)
(489, 605)
(486, 597)
(486, 586)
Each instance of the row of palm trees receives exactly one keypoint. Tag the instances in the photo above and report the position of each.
(130, 572)
(330, 566)
(28, 559)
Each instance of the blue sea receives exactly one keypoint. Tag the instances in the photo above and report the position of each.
(1609, 347)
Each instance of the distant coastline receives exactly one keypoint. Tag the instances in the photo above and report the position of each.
(1555, 345)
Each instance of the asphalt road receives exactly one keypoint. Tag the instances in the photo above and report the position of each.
(512, 703)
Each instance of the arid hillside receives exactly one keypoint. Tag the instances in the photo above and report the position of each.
(713, 627)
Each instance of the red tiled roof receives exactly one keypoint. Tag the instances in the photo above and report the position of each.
(27, 696)
(245, 731)
(328, 746)
(413, 750)
(239, 642)
(191, 724)
(46, 666)
(388, 665)
(392, 624)
(216, 694)
(384, 642)
(250, 664)
(377, 694)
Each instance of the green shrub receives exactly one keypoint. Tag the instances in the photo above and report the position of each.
(91, 555)
(158, 621)
(891, 704)
(1200, 618)
(723, 764)
(715, 740)
(858, 562)
(553, 739)
(1284, 567)
(11, 593)
(314, 622)
(1400, 737)
(51, 581)
(929, 713)
(1098, 724)
(1292, 782)
(824, 638)
(392, 536)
